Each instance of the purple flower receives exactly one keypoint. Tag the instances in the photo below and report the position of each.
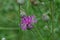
(27, 22)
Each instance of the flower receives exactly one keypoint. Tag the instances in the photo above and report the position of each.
(27, 22)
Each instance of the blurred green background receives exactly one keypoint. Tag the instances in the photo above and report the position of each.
(10, 19)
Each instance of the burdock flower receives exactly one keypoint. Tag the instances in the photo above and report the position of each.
(27, 22)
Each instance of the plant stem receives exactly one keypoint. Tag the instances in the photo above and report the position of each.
(27, 8)
(3, 28)
(20, 31)
(39, 33)
(34, 33)
(52, 17)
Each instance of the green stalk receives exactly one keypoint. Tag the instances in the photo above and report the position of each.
(3, 28)
(27, 8)
(34, 34)
(20, 31)
(40, 36)
(52, 17)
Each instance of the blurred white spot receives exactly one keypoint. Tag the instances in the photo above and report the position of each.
(22, 13)
(56, 29)
(3, 38)
(21, 1)
(45, 17)
(45, 27)
(36, 2)
(42, 3)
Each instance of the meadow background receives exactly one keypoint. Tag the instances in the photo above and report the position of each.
(10, 20)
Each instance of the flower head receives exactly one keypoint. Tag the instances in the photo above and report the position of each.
(27, 22)
(21, 1)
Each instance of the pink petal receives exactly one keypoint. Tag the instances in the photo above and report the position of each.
(23, 26)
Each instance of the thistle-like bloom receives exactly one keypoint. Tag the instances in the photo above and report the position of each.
(27, 22)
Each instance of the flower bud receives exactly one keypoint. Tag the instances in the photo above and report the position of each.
(45, 17)
(3, 38)
(42, 3)
(22, 13)
(34, 2)
(46, 27)
(21, 1)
